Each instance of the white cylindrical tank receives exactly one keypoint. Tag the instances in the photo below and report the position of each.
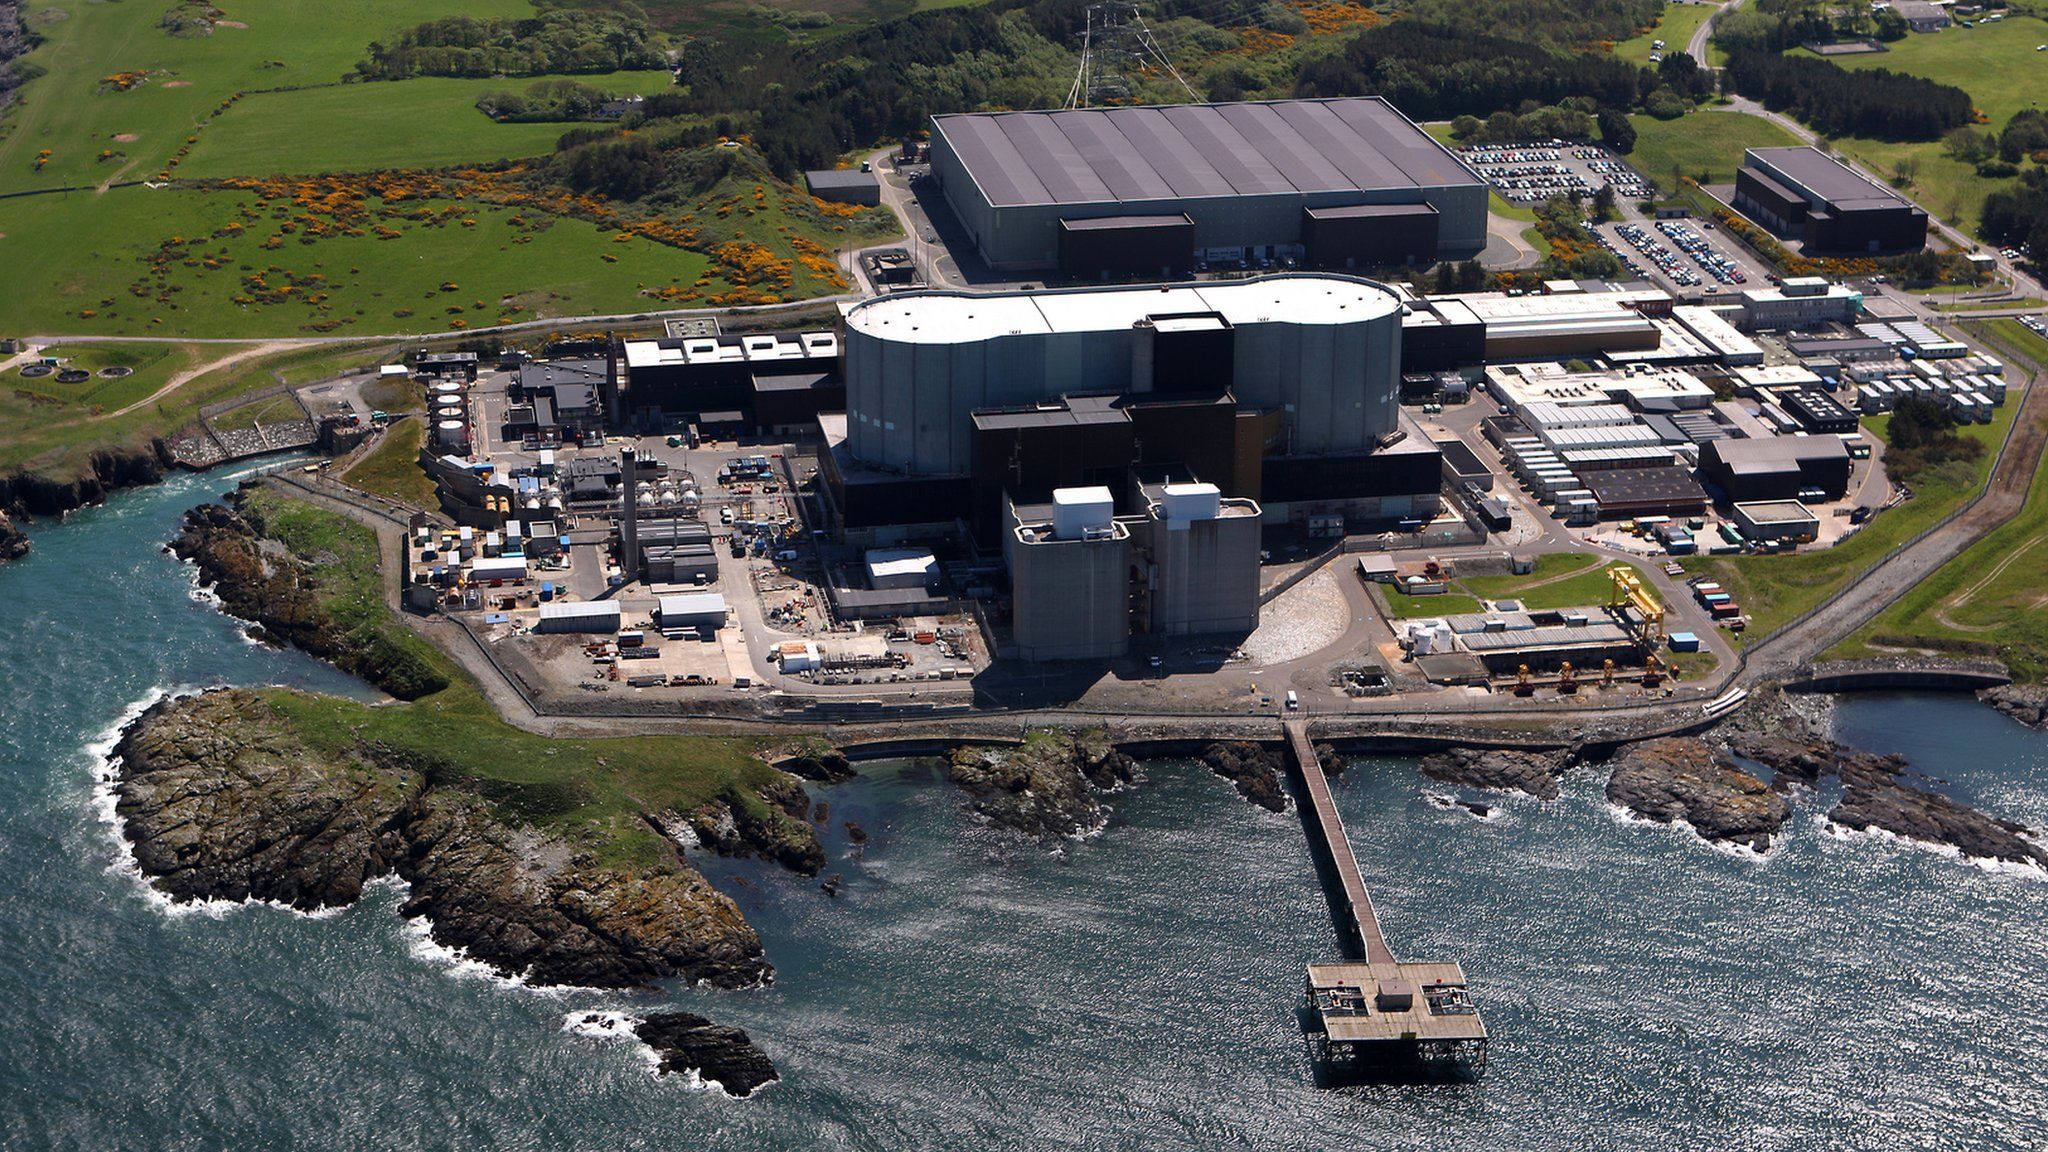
(450, 432)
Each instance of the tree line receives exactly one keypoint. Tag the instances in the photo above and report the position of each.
(552, 43)
(1876, 103)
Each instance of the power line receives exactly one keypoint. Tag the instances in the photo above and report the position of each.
(1117, 45)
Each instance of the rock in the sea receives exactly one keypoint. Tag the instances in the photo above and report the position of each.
(1535, 773)
(1046, 787)
(1253, 768)
(720, 1053)
(2026, 703)
(222, 800)
(1682, 779)
(13, 541)
(1333, 762)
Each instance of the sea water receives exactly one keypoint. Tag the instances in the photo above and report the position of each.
(967, 991)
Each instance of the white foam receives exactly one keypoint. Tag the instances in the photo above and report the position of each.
(419, 935)
(1946, 851)
(1687, 831)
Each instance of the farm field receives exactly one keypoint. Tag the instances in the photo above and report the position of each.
(1707, 141)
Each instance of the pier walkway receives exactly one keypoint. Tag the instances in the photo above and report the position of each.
(1372, 1012)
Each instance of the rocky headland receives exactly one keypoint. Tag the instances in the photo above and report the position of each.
(1254, 769)
(1877, 793)
(770, 824)
(222, 800)
(281, 594)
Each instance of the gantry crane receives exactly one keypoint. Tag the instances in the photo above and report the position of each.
(1629, 590)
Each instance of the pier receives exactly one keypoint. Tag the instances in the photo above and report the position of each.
(1371, 1012)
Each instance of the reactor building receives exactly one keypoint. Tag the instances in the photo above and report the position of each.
(1100, 193)
(1281, 390)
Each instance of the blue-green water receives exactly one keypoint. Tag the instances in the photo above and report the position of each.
(1645, 991)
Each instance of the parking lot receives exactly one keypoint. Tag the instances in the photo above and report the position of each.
(1533, 173)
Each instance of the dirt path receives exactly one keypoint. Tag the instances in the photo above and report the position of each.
(180, 379)
(1970, 593)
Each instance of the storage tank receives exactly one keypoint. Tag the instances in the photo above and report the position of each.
(449, 433)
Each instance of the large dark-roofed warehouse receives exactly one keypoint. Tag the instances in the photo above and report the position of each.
(1256, 180)
(1806, 193)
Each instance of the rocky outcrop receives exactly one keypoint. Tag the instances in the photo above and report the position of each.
(222, 801)
(825, 765)
(1535, 773)
(1048, 787)
(1253, 768)
(13, 541)
(719, 1053)
(260, 582)
(2026, 703)
(770, 824)
(15, 41)
(1876, 795)
(1682, 779)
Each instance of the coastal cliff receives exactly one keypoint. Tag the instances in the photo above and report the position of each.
(26, 495)
(221, 800)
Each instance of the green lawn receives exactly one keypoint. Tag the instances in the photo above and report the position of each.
(1989, 601)
(392, 467)
(149, 365)
(592, 791)
(1995, 63)
(1707, 141)
(1401, 606)
(1774, 589)
(269, 412)
(1675, 28)
(1549, 566)
(349, 127)
(1591, 587)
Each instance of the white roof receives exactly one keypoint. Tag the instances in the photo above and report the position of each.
(580, 610)
(692, 604)
(499, 565)
(967, 318)
(900, 562)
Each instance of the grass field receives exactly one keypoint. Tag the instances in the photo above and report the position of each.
(1561, 580)
(2029, 342)
(1709, 142)
(348, 128)
(1774, 589)
(1675, 28)
(1990, 601)
(1995, 63)
(287, 44)
(96, 248)
(392, 467)
(56, 434)
(1404, 607)
(592, 791)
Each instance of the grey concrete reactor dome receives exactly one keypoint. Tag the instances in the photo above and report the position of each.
(1321, 350)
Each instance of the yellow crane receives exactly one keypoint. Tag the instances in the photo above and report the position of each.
(1629, 590)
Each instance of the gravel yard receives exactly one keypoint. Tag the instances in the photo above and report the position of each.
(1307, 618)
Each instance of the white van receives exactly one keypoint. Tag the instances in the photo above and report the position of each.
(1293, 701)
